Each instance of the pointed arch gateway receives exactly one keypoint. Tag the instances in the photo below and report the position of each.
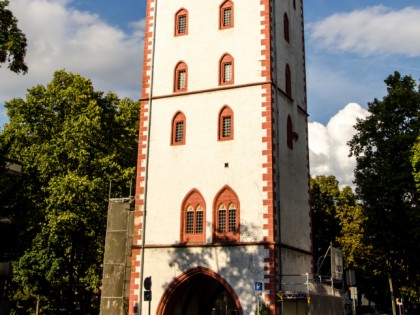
(199, 290)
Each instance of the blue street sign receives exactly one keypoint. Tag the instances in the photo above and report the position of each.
(258, 286)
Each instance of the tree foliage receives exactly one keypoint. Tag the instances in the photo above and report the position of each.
(383, 146)
(12, 40)
(337, 219)
(72, 142)
(324, 194)
(415, 161)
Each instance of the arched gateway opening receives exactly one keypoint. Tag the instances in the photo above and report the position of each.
(199, 291)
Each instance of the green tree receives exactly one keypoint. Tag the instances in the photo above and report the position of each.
(72, 142)
(12, 40)
(415, 161)
(383, 147)
(324, 194)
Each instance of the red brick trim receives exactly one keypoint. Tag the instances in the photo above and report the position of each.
(193, 198)
(271, 265)
(141, 158)
(184, 278)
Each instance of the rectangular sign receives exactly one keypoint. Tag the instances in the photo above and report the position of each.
(258, 286)
(337, 264)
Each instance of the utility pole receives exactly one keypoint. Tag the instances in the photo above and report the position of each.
(394, 309)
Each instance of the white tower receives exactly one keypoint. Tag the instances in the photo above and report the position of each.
(222, 197)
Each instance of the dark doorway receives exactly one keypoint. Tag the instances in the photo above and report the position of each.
(199, 294)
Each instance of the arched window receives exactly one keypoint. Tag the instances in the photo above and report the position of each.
(289, 133)
(226, 15)
(226, 216)
(226, 70)
(181, 77)
(181, 22)
(288, 80)
(178, 129)
(193, 218)
(225, 124)
(286, 27)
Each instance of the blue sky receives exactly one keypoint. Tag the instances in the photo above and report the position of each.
(351, 47)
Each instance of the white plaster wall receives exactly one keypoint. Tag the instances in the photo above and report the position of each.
(200, 163)
(241, 267)
(205, 44)
(293, 164)
(290, 52)
(293, 179)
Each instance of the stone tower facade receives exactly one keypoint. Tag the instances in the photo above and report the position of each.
(222, 200)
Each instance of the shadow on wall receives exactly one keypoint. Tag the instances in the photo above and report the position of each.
(238, 265)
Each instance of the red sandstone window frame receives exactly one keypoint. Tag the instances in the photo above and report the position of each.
(288, 81)
(181, 77)
(178, 119)
(286, 28)
(226, 228)
(223, 9)
(289, 133)
(225, 132)
(226, 77)
(193, 206)
(181, 28)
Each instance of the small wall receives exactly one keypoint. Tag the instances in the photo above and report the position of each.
(117, 262)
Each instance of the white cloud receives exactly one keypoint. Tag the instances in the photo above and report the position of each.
(328, 150)
(60, 37)
(374, 30)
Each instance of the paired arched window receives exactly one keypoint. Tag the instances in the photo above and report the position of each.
(181, 22)
(226, 15)
(193, 218)
(181, 77)
(289, 133)
(178, 129)
(226, 216)
(226, 70)
(225, 128)
(288, 79)
(286, 28)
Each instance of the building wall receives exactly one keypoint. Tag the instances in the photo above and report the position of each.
(270, 180)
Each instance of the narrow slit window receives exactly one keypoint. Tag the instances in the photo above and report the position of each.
(178, 129)
(222, 221)
(288, 80)
(286, 28)
(226, 70)
(226, 123)
(181, 22)
(189, 226)
(199, 220)
(226, 15)
(181, 77)
(232, 219)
